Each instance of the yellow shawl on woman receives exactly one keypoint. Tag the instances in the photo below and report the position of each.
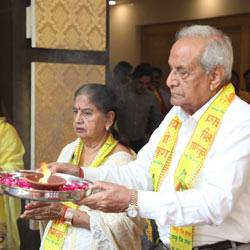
(113, 231)
(11, 158)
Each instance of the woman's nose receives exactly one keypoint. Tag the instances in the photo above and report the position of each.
(78, 117)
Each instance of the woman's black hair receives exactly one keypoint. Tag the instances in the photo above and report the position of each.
(103, 99)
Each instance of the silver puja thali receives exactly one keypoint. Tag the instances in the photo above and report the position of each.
(45, 195)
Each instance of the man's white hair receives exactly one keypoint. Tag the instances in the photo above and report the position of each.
(218, 50)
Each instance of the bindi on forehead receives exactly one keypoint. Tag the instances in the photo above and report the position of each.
(79, 108)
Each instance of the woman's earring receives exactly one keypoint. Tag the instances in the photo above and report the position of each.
(107, 127)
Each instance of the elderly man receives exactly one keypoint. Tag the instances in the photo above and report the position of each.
(192, 177)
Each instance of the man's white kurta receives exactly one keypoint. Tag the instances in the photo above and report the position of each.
(219, 202)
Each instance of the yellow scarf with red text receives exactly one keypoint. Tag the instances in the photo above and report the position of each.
(191, 160)
(58, 230)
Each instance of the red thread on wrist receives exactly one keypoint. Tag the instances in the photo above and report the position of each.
(63, 214)
(81, 172)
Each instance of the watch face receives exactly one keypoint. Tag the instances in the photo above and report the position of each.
(132, 212)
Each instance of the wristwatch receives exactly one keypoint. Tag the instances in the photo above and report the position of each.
(132, 210)
(68, 217)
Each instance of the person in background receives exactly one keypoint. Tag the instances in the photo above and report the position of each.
(119, 85)
(141, 107)
(120, 82)
(192, 177)
(245, 94)
(162, 95)
(235, 80)
(94, 115)
(246, 76)
(121, 73)
(11, 158)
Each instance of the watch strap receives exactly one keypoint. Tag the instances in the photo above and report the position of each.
(134, 198)
(132, 210)
(68, 217)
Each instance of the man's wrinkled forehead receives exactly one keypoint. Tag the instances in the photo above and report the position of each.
(187, 48)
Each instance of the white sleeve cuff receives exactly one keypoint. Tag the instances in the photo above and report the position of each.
(91, 174)
(148, 204)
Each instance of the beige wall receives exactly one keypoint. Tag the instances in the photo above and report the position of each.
(126, 19)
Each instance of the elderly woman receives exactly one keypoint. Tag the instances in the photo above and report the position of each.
(75, 227)
(11, 158)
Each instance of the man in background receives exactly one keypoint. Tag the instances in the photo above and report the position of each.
(246, 76)
(245, 94)
(120, 81)
(235, 80)
(141, 106)
(162, 96)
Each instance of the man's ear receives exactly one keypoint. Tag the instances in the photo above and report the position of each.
(216, 75)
